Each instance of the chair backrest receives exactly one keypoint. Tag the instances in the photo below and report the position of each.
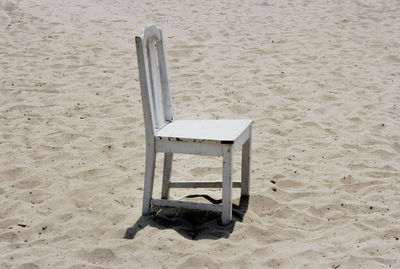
(156, 94)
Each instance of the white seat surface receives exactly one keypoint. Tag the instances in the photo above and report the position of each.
(225, 131)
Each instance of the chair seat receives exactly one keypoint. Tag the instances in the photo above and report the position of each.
(205, 131)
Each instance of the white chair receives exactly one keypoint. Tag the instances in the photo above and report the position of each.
(200, 137)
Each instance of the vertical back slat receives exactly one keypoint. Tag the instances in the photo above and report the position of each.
(146, 99)
(166, 92)
(149, 90)
(155, 83)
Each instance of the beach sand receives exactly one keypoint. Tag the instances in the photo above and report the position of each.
(320, 79)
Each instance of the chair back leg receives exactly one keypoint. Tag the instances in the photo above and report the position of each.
(148, 180)
(227, 170)
(166, 175)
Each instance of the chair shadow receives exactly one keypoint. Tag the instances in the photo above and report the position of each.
(191, 224)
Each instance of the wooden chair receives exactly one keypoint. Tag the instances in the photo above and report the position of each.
(200, 137)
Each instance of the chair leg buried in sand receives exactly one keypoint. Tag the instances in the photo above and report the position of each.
(199, 137)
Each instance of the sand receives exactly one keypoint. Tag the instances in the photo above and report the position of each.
(320, 79)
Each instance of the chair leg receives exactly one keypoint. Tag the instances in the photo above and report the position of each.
(148, 180)
(166, 174)
(246, 166)
(227, 171)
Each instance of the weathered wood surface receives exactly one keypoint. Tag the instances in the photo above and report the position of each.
(227, 171)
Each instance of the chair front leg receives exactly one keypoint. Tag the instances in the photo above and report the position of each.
(148, 180)
(168, 156)
(227, 171)
(246, 166)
